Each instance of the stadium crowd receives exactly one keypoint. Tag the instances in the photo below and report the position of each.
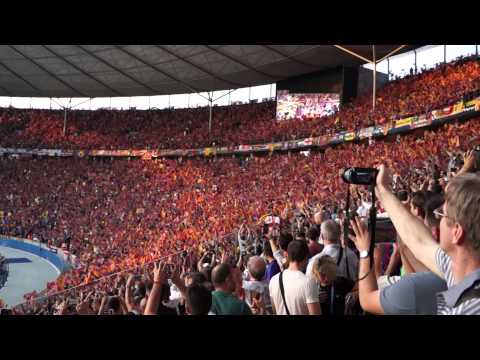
(119, 216)
(236, 124)
(253, 234)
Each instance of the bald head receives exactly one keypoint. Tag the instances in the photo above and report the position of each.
(257, 267)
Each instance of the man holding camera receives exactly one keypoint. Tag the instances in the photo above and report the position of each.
(457, 257)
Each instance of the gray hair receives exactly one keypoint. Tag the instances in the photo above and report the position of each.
(257, 267)
(330, 231)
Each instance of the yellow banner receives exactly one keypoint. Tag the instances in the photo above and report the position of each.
(457, 108)
(209, 151)
(349, 136)
(473, 102)
(403, 122)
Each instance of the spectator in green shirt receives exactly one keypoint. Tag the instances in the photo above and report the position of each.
(223, 300)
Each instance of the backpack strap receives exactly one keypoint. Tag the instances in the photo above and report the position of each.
(282, 291)
(339, 259)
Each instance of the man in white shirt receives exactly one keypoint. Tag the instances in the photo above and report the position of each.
(300, 295)
(330, 232)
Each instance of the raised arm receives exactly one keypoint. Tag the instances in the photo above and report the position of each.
(469, 163)
(367, 286)
(200, 262)
(178, 281)
(102, 305)
(128, 293)
(159, 278)
(416, 236)
(410, 262)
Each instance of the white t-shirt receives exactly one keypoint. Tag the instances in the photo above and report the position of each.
(300, 290)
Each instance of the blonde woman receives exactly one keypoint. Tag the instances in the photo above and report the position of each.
(332, 288)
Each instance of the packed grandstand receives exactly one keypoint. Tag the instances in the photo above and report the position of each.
(232, 234)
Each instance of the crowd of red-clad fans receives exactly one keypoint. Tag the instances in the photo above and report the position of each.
(233, 125)
(252, 234)
(118, 214)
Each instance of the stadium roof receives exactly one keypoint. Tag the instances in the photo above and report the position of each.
(147, 70)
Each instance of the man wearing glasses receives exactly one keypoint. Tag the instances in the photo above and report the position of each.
(412, 294)
(457, 257)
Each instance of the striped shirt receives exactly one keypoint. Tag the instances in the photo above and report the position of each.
(447, 300)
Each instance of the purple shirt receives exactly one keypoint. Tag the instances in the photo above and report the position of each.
(272, 270)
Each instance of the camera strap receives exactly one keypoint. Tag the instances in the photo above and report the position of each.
(345, 232)
(282, 291)
(372, 224)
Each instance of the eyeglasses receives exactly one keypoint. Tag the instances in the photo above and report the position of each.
(439, 213)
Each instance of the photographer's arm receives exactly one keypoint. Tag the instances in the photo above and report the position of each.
(413, 232)
(408, 268)
(416, 265)
(367, 287)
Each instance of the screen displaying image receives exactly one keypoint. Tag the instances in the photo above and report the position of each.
(305, 106)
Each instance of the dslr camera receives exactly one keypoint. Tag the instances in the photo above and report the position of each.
(360, 176)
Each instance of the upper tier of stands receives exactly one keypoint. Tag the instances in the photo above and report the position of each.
(236, 124)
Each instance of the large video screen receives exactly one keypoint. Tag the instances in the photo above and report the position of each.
(305, 106)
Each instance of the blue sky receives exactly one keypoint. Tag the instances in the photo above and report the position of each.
(399, 65)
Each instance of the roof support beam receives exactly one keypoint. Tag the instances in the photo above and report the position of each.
(391, 53)
(201, 68)
(47, 71)
(353, 53)
(20, 77)
(221, 96)
(154, 91)
(82, 71)
(240, 62)
(191, 88)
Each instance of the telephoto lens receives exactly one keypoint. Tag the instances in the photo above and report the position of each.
(360, 176)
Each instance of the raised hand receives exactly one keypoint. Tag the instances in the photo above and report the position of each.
(362, 236)
(469, 162)
(83, 308)
(159, 275)
(258, 305)
(176, 278)
(225, 257)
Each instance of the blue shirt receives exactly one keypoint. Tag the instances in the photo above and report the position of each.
(272, 270)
